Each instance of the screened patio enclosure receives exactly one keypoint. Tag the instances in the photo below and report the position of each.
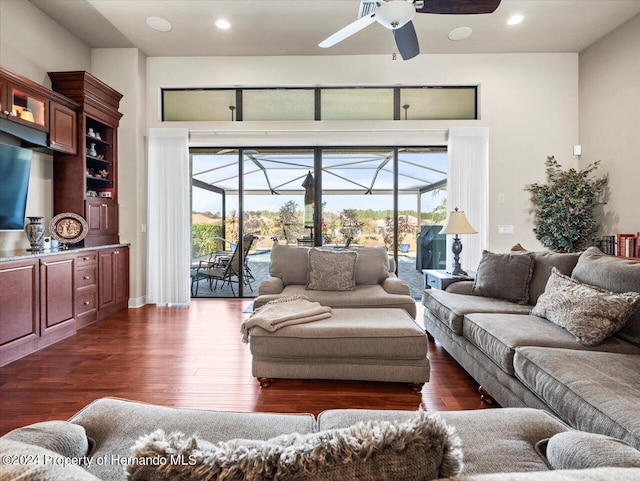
(357, 196)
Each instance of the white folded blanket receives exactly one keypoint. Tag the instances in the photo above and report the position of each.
(282, 312)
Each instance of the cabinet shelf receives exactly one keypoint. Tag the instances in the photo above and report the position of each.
(99, 179)
(101, 161)
(98, 141)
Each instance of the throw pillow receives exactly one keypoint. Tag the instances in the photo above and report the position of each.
(331, 270)
(62, 437)
(578, 450)
(421, 448)
(289, 263)
(372, 266)
(616, 274)
(504, 276)
(589, 313)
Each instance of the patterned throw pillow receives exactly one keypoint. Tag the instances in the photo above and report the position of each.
(419, 449)
(589, 313)
(331, 270)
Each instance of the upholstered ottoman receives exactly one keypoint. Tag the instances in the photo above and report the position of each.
(377, 344)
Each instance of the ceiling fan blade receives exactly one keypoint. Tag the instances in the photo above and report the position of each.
(458, 7)
(347, 31)
(407, 41)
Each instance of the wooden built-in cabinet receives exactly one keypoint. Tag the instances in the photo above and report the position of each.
(47, 298)
(25, 103)
(89, 180)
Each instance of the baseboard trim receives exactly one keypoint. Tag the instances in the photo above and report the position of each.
(137, 302)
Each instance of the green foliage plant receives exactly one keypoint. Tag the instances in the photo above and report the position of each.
(202, 239)
(564, 206)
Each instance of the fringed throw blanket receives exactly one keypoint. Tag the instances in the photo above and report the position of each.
(284, 312)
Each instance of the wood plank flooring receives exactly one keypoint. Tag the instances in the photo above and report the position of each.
(193, 357)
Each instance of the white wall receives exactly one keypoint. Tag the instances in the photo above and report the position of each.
(529, 102)
(31, 44)
(610, 121)
(125, 71)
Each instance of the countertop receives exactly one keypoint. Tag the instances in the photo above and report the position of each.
(23, 254)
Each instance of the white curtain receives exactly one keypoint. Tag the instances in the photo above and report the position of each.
(467, 189)
(168, 223)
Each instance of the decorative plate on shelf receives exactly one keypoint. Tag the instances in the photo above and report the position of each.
(68, 228)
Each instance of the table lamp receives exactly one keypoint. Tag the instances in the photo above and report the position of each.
(457, 223)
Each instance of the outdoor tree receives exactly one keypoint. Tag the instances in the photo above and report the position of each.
(563, 207)
(290, 221)
(351, 226)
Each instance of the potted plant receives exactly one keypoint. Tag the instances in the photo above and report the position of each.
(563, 207)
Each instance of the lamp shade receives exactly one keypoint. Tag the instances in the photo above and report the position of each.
(457, 223)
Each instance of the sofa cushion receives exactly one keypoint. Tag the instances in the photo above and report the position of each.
(364, 333)
(372, 266)
(504, 276)
(115, 425)
(331, 270)
(578, 450)
(29, 462)
(363, 296)
(451, 308)
(592, 391)
(290, 263)
(420, 448)
(615, 274)
(544, 262)
(61, 437)
(511, 432)
(498, 336)
(589, 313)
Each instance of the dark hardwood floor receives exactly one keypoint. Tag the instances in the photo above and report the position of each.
(193, 357)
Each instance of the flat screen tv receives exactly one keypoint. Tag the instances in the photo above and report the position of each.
(15, 167)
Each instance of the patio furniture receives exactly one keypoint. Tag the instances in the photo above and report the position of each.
(227, 268)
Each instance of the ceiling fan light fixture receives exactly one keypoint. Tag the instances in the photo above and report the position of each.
(395, 13)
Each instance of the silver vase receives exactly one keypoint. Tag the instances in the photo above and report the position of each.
(35, 233)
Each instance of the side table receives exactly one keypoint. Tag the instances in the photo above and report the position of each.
(440, 279)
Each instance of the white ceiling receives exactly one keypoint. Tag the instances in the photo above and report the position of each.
(294, 27)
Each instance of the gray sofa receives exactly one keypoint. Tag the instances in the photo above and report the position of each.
(500, 444)
(523, 360)
(376, 282)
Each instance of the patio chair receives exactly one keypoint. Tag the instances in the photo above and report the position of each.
(226, 268)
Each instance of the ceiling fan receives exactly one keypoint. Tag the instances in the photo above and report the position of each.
(396, 15)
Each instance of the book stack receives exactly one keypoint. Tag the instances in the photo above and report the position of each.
(608, 244)
(627, 245)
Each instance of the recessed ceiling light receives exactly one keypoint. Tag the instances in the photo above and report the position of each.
(159, 24)
(515, 19)
(460, 33)
(223, 24)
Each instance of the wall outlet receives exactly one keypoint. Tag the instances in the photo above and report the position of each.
(500, 198)
(505, 229)
(143, 228)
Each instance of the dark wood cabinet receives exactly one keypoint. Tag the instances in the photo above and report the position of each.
(102, 218)
(63, 136)
(86, 288)
(113, 268)
(57, 298)
(19, 309)
(87, 182)
(34, 113)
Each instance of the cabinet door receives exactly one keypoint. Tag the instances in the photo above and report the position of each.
(62, 129)
(106, 273)
(102, 216)
(122, 278)
(19, 314)
(27, 107)
(57, 292)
